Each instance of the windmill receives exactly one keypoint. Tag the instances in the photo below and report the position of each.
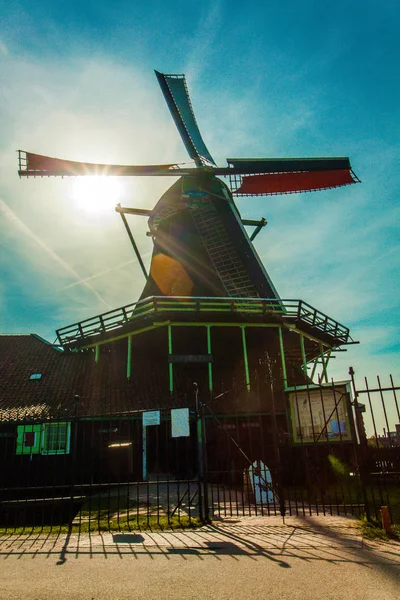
(209, 312)
(201, 247)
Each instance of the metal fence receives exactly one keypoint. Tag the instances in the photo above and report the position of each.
(332, 455)
(329, 453)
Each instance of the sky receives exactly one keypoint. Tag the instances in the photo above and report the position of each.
(267, 79)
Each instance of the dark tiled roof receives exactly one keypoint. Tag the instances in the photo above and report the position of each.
(103, 389)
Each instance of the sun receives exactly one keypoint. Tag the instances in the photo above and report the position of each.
(96, 194)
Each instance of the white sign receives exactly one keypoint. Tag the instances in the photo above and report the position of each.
(180, 422)
(261, 482)
(151, 417)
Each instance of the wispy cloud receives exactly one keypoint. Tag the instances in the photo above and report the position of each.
(12, 218)
(97, 275)
(204, 40)
(3, 49)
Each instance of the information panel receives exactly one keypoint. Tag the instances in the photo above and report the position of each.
(319, 415)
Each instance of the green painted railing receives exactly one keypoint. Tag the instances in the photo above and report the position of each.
(289, 310)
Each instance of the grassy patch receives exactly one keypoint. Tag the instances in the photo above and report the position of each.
(349, 496)
(105, 512)
(373, 531)
(111, 524)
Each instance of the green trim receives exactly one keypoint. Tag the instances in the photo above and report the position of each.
(315, 361)
(45, 435)
(328, 356)
(303, 354)
(200, 324)
(129, 358)
(170, 365)
(246, 362)
(324, 371)
(175, 324)
(122, 336)
(285, 381)
(210, 373)
(96, 353)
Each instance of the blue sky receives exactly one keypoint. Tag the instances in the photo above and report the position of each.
(266, 79)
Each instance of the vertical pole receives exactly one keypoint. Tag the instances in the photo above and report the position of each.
(210, 374)
(362, 449)
(144, 451)
(129, 358)
(199, 451)
(314, 368)
(129, 232)
(170, 366)
(303, 354)
(246, 362)
(275, 440)
(324, 364)
(384, 410)
(285, 381)
(96, 353)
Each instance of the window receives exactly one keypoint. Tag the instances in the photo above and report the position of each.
(56, 438)
(47, 438)
(36, 376)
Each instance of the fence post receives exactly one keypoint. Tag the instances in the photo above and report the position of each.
(361, 450)
(275, 441)
(204, 511)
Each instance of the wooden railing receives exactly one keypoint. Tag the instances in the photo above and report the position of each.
(291, 310)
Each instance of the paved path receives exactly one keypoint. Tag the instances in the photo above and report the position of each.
(254, 558)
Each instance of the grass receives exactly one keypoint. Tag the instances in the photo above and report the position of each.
(348, 495)
(103, 513)
(373, 531)
(121, 524)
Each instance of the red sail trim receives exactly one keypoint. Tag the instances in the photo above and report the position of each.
(281, 183)
(41, 165)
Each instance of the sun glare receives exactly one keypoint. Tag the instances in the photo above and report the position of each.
(97, 194)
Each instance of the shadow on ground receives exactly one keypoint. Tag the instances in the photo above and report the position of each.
(303, 538)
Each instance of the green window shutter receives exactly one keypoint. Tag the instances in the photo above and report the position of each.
(28, 439)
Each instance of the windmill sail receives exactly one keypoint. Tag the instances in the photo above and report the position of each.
(263, 177)
(37, 165)
(177, 97)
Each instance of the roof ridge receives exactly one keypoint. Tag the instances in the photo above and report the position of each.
(15, 334)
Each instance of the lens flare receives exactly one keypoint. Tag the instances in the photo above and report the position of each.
(97, 194)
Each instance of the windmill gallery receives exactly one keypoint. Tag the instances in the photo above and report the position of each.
(210, 380)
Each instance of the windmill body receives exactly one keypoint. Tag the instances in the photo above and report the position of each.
(200, 245)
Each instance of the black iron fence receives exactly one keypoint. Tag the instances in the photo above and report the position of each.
(335, 450)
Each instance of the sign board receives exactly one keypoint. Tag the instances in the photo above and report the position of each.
(151, 417)
(180, 422)
(319, 415)
(261, 482)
